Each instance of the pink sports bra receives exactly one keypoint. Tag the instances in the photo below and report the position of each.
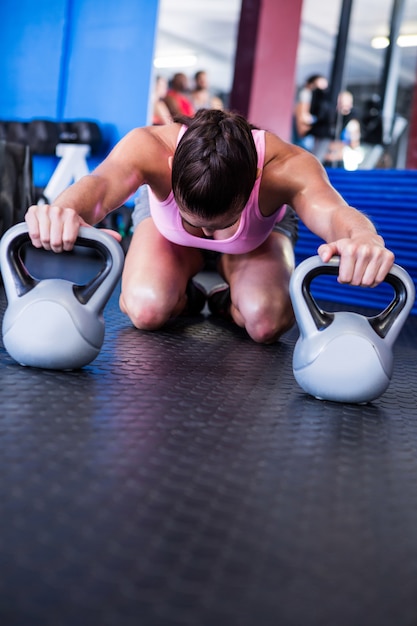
(253, 227)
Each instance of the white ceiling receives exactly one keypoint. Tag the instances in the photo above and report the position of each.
(208, 30)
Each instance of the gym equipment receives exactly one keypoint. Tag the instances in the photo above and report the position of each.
(16, 183)
(73, 142)
(43, 136)
(3, 130)
(16, 132)
(81, 131)
(54, 323)
(345, 356)
(87, 133)
(71, 167)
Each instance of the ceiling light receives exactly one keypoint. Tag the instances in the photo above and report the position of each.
(404, 41)
(380, 42)
(183, 60)
(407, 41)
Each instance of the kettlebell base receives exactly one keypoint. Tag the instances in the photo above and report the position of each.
(340, 393)
(43, 335)
(347, 369)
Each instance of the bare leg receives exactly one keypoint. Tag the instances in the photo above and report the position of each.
(259, 288)
(155, 277)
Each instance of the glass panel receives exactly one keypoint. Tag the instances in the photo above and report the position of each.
(363, 71)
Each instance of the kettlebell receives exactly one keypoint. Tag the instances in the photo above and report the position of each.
(54, 323)
(345, 356)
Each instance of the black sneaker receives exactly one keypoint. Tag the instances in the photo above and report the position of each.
(197, 297)
(219, 300)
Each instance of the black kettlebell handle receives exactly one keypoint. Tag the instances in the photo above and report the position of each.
(381, 323)
(24, 281)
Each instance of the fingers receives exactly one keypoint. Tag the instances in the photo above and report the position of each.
(52, 227)
(327, 251)
(113, 233)
(370, 267)
(33, 226)
(362, 263)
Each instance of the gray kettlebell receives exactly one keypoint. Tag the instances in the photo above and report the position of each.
(345, 356)
(54, 323)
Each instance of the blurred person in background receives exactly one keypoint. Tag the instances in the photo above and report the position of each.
(178, 96)
(160, 111)
(345, 150)
(201, 96)
(304, 118)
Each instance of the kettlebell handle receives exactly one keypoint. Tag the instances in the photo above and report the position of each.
(387, 323)
(19, 281)
(23, 281)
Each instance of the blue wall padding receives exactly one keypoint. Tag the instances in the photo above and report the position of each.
(111, 45)
(389, 199)
(30, 57)
(78, 59)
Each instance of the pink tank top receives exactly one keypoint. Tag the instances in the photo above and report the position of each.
(253, 227)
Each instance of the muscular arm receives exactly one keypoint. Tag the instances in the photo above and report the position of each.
(140, 156)
(301, 181)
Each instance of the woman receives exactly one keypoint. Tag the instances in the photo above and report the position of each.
(215, 184)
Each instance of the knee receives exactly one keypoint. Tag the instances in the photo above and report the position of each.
(266, 324)
(145, 308)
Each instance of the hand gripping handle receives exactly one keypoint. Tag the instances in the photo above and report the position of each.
(94, 294)
(311, 318)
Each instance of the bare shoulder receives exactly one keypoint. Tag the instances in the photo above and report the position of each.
(148, 143)
(289, 168)
(289, 174)
(142, 156)
(278, 153)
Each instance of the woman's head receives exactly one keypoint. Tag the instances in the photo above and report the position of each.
(215, 165)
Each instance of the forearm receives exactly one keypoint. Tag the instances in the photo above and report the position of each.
(345, 222)
(364, 259)
(89, 197)
(348, 233)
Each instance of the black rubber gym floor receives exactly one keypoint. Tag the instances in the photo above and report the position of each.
(183, 478)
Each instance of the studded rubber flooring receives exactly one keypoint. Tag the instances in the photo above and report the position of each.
(184, 479)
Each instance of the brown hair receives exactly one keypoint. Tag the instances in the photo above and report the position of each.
(215, 163)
